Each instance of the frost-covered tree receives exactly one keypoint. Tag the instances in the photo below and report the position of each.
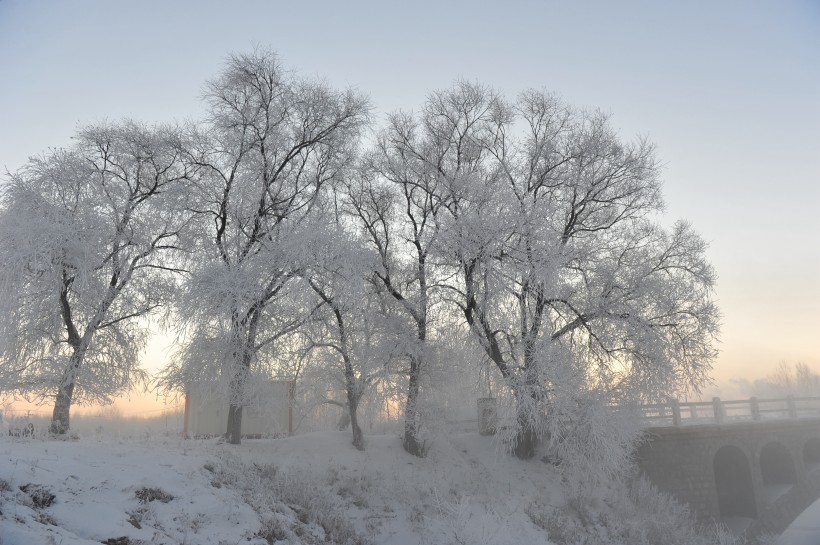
(397, 201)
(348, 341)
(87, 238)
(572, 287)
(798, 379)
(270, 146)
(544, 226)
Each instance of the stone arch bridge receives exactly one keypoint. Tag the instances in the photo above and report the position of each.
(754, 460)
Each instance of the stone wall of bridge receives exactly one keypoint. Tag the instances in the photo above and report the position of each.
(765, 470)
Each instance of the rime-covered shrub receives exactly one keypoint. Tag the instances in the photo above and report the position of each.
(630, 514)
(292, 505)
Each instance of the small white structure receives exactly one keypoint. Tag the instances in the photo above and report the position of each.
(269, 413)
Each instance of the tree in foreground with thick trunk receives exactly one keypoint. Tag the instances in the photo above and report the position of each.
(575, 291)
(271, 145)
(87, 237)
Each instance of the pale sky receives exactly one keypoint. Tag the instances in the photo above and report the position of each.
(729, 91)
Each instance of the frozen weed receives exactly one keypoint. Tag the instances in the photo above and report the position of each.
(143, 515)
(417, 516)
(332, 475)
(124, 540)
(539, 514)
(562, 528)
(354, 488)
(632, 514)
(313, 512)
(267, 471)
(315, 506)
(45, 518)
(457, 515)
(146, 495)
(271, 530)
(730, 539)
(198, 522)
(40, 496)
(135, 519)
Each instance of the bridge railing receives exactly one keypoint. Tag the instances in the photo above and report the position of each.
(681, 413)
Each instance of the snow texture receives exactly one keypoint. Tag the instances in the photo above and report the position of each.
(314, 488)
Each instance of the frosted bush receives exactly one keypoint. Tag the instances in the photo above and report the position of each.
(633, 513)
(291, 504)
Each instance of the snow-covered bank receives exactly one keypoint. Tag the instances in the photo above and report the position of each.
(268, 491)
(314, 489)
(805, 530)
(95, 489)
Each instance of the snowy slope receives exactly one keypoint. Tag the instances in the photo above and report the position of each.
(314, 488)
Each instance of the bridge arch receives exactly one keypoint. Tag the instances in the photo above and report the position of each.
(777, 465)
(811, 454)
(733, 480)
(717, 469)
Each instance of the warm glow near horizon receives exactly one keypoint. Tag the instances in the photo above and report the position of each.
(146, 404)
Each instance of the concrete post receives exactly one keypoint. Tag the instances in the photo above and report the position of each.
(755, 407)
(675, 412)
(792, 406)
(487, 415)
(717, 405)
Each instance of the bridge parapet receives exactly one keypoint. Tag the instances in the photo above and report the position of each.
(717, 411)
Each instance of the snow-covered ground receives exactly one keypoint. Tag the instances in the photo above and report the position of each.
(312, 488)
(805, 530)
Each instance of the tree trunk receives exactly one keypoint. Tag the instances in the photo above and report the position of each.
(245, 353)
(236, 396)
(358, 436)
(354, 394)
(234, 432)
(60, 418)
(526, 440)
(527, 404)
(412, 444)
